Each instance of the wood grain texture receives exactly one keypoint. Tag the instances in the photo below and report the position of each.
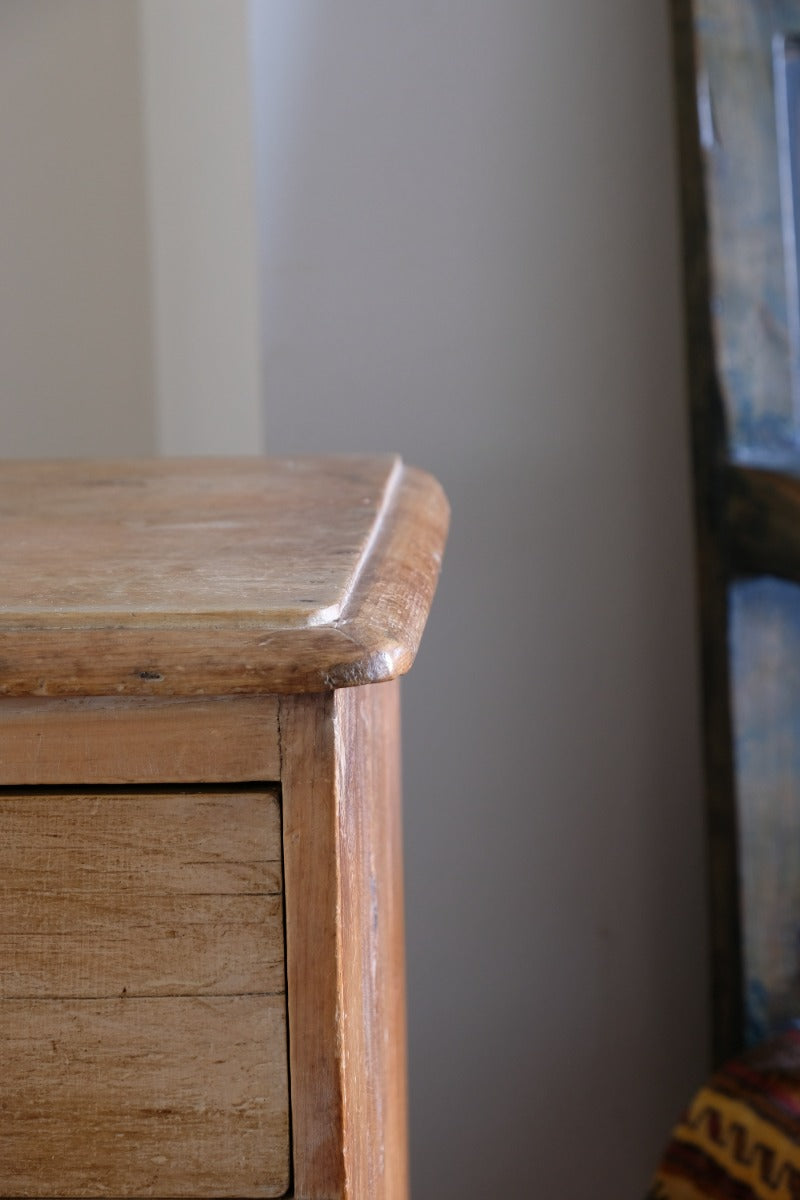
(765, 659)
(313, 945)
(57, 944)
(192, 623)
(142, 994)
(117, 741)
(344, 944)
(187, 540)
(743, 338)
(763, 517)
(140, 843)
(709, 441)
(754, 321)
(211, 577)
(159, 1097)
(373, 946)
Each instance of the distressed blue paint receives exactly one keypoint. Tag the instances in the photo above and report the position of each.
(765, 677)
(751, 313)
(758, 362)
(757, 1026)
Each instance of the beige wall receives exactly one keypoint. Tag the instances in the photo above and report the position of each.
(75, 360)
(204, 249)
(470, 256)
(128, 277)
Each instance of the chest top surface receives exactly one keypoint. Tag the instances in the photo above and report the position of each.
(201, 576)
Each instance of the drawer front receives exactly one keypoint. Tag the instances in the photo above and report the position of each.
(142, 994)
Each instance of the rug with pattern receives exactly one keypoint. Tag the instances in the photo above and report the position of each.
(740, 1137)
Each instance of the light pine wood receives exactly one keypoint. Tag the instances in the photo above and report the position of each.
(313, 947)
(344, 944)
(187, 539)
(160, 1097)
(212, 843)
(210, 577)
(392, 594)
(73, 946)
(373, 946)
(202, 984)
(142, 994)
(108, 741)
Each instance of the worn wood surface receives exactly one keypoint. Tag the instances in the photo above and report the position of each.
(72, 945)
(765, 655)
(743, 326)
(187, 540)
(709, 450)
(344, 944)
(173, 1021)
(209, 577)
(739, 139)
(108, 741)
(215, 843)
(140, 894)
(763, 515)
(313, 945)
(142, 994)
(149, 1097)
(373, 947)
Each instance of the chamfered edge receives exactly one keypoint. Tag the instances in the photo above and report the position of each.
(375, 638)
(392, 596)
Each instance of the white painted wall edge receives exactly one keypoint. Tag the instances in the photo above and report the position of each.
(75, 330)
(197, 116)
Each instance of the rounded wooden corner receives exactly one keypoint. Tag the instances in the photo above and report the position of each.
(391, 599)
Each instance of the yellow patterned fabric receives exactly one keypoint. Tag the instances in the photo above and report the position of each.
(740, 1137)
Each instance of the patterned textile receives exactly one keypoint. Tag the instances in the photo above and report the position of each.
(740, 1137)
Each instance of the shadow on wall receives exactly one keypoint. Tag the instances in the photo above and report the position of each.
(469, 256)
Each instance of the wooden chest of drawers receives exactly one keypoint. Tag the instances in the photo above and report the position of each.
(201, 938)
